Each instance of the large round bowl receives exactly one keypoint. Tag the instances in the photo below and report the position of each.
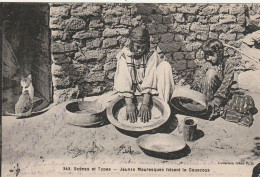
(165, 146)
(189, 102)
(116, 114)
(85, 113)
(161, 142)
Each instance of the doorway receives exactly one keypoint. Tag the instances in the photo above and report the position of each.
(26, 36)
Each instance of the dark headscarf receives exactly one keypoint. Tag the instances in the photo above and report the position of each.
(139, 35)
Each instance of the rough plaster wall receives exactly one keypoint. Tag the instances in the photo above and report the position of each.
(86, 38)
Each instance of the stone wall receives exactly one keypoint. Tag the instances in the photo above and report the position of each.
(181, 30)
(253, 20)
(254, 8)
(86, 38)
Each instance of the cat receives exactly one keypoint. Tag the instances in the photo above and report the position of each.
(24, 105)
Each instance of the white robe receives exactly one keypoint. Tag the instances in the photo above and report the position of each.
(152, 74)
(155, 78)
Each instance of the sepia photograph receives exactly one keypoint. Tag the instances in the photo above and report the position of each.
(130, 89)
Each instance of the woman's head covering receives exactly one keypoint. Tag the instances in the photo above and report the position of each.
(139, 35)
(214, 45)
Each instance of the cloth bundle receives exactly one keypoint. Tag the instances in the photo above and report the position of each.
(242, 104)
(240, 109)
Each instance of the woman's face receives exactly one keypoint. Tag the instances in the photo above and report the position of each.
(139, 49)
(213, 57)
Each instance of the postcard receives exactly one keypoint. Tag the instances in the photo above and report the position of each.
(130, 89)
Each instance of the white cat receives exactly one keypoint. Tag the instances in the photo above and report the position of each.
(23, 107)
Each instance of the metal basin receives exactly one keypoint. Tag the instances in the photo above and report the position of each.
(165, 146)
(189, 102)
(116, 114)
(85, 113)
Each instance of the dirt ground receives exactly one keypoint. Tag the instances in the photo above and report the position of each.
(44, 145)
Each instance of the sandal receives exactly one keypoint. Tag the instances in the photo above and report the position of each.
(247, 120)
(232, 116)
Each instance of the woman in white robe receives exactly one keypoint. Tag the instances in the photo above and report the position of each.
(141, 71)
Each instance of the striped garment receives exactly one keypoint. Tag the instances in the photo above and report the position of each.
(136, 76)
(215, 83)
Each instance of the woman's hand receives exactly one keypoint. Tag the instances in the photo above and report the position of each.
(211, 106)
(131, 113)
(145, 113)
(214, 111)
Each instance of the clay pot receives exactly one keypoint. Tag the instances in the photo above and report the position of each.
(85, 113)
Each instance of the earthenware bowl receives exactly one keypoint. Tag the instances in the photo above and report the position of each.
(85, 113)
(116, 114)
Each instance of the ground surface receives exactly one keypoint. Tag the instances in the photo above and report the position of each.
(45, 144)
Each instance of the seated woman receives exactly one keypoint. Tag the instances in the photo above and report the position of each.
(141, 71)
(214, 79)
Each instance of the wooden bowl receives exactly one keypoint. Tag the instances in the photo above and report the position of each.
(85, 113)
(116, 114)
